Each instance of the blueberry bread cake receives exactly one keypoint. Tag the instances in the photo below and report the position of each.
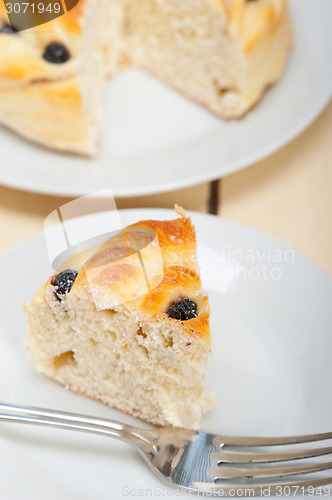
(220, 53)
(95, 327)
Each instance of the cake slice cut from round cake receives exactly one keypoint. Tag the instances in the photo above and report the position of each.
(127, 323)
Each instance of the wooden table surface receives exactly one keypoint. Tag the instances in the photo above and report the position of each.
(288, 195)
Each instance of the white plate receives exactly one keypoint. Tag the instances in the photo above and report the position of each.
(271, 368)
(155, 140)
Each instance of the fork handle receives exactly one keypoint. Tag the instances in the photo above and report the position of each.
(40, 416)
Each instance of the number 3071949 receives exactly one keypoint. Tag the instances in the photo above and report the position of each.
(33, 8)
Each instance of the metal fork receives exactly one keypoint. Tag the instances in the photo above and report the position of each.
(201, 462)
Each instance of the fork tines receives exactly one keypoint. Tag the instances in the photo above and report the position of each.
(255, 460)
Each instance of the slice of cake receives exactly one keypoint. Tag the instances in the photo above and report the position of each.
(127, 323)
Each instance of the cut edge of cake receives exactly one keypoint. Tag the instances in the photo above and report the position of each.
(223, 56)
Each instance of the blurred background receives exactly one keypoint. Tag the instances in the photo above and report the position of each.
(287, 195)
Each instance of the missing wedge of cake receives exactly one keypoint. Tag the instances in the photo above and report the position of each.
(127, 323)
(223, 54)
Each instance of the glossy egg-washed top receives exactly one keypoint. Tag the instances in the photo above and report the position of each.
(150, 268)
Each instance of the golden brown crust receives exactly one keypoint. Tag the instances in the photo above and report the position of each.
(177, 239)
(25, 110)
